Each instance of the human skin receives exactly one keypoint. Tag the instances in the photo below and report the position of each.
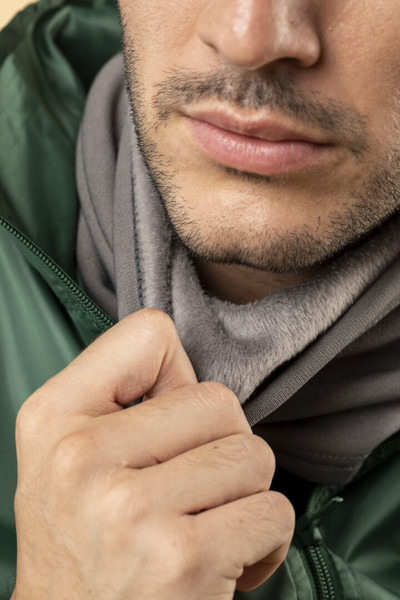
(167, 499)
(339, 60)
(8, 9)
(171, 499)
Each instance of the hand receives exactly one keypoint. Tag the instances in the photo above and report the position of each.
(168, 499)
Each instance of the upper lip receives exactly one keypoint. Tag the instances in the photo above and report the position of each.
(258, 126)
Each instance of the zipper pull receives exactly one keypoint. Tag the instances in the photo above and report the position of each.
(310, 536)
(307, 525)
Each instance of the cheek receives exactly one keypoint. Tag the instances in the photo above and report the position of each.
(363, 57)
(163, 34)
(162, 29)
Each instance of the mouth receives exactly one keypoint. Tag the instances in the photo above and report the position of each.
(255, 144)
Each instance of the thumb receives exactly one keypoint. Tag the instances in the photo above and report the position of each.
(142, 354)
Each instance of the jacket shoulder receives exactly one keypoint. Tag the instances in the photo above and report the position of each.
(49, 56)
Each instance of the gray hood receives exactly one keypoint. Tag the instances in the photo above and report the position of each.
(316, 367)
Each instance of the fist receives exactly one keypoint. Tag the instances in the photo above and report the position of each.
(168, 499)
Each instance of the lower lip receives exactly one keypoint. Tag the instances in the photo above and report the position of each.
(256, 155)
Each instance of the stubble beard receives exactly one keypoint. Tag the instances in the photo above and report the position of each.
(272, 250)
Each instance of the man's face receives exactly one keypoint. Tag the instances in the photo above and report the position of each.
(271, 127)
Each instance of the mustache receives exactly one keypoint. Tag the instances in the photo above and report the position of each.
(276, 91)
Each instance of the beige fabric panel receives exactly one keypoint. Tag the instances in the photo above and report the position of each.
(8, 8)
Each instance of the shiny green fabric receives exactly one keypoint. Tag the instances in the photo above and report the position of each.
(44, 81)
(49, 55)
(43, 85)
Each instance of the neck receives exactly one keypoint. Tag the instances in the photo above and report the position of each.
(242, 285)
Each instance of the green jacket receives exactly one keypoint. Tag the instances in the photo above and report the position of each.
(347, 544)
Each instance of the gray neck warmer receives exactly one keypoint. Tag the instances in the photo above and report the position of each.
(315, 366)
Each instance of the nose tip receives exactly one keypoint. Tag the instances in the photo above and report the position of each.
(254, 33)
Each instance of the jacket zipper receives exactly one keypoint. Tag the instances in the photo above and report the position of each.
(102, 320)
(321, 573)
(316, 556)
(319, 563)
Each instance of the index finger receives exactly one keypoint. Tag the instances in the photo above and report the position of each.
(140, 355)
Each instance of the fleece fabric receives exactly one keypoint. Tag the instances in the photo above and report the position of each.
(315, 366)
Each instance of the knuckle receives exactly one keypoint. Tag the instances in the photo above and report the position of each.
(117, 501)
(122, 502)
(245, 445)
(281, 510)
(179, 559)
(219, 392)
(31, 416)
(266, 453)
(256, 448)
(220, 398)
(37, 412)
(70, 453)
